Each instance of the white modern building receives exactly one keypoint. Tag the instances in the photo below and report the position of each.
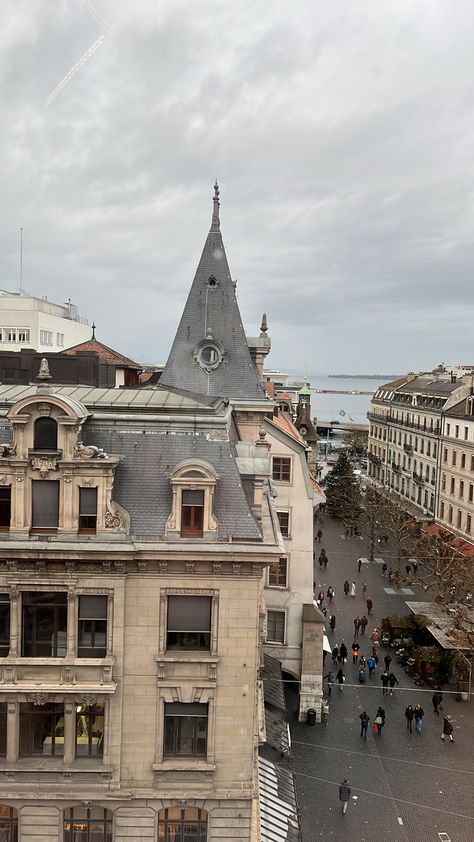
(29, 322)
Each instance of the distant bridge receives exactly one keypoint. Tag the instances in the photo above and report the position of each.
(346, 426)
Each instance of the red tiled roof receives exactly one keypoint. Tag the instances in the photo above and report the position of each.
(287, 426)
(465, 548)
(104, 352)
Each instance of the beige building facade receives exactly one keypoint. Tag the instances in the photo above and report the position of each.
(456, 485)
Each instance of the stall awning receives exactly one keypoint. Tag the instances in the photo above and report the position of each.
(442, 626)
(326, 644)
(279, 821)
(277, 732)
(273, 690)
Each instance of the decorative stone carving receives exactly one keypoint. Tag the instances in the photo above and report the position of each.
(190, 567)
(88, 699)
(40, 566)
(107, 674)
(89, 451)
(70, 567)
(44, 464)
(38, 699)
(67, 777)
(236, 567)
(256, 570)
(19, 479)
(119, 566)
(43, 373)
(12, 565)
(3, 480)
(44, 409)
(68, 479)
(87, 481)
(142, 566)
(217, 568)
(163, 566)
(8, 449)
(107, 567)
(113, 520)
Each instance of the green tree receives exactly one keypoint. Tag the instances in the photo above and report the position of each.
(357, 440)
(343, 492)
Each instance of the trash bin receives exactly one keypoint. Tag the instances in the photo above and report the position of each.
(311, 717)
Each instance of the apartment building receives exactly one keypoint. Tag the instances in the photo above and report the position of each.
(39, 324)
(455, 509)
(408, 422)
(136, 527)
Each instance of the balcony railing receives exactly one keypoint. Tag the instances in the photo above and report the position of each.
(396, 467)
(418, 477)
(408, 448)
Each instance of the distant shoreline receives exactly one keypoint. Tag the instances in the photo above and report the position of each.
(365, 376)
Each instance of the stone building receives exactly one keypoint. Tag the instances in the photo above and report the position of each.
(414, 442)
(136, 525)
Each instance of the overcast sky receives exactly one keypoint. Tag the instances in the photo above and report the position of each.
(342, 136)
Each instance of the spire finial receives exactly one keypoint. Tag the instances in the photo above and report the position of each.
(93, 330)
(215, 226)
(43, 373)
(264, 325)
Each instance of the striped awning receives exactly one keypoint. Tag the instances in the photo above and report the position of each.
(279, 821)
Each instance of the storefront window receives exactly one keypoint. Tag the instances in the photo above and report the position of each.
(8, 824)
(89, 730)
(41, 730)
(182, 824)
(87, 824)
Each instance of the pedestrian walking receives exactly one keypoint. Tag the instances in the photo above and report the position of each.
(418, 713)
(375, 649)
(371, 663)
(330, 593)
(321, 597)
(409, 717)
(353, 589)
(343, 653)
(408, 569)
(384, 570)
(347, 588)
(340, 678)
(448, 728)
(335, 655)
(384, 679)
(363, 624)
(359, 564)
(319, 535)
(344, 795)
(437, 700)
(325, 561)
(379, 720)
(364, 723)
(364, 589)
(369, 605)
(332, 622)
(356, 626)
(393, 681)
(362, 662)
(355, 651)
(330, 680)
(415, 568)
(387, 661)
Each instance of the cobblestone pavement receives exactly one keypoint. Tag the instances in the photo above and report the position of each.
(405, 787)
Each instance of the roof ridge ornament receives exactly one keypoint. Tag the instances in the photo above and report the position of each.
(216, 225)
(43, 373)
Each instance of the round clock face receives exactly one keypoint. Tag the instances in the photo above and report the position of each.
(303, 431)
(209, 355)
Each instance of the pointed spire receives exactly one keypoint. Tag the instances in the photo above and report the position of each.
(93, 330)
(215, 225)
(264, 325)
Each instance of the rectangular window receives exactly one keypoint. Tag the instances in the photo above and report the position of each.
(88, 510)
(281, 468)
(189, 622)
(60, 340)
(472, 463)
(41, 730)
(92, 627)
(434, 450)
(4, 625)
(185, 730)
(3, 729)
(5, 507)
(44, 624)
(471, 492)
(275, 626)
(453, 458)
(461, 489)
(89, 730)
(23, 335)
(448, 429)
(459, 519)
(284, 521)
(450, 514)
(46, 337)
(441, 510)
(468, 524)
(451, 489)
(428, 448)
(9, 334)
(278, 574)
(463, 460)
(445, 454)
(192, 513)
(457, 431)
(466, 433)
(45, 505)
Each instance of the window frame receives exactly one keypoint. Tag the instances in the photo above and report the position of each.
(98, 625)
(195, 512)
(174, 718)
(58, 626)
(274, 639)
(56, 712)
(282, 469)
(202, 637)
(178, 826)
(278, 573)
(286, 514)
(87, 522)
(35, 489)
(5, 507)
(69, 834)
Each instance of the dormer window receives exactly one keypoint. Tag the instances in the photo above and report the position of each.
(193, 487)
(45, 434)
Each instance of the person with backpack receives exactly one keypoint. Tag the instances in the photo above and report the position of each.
(355, 651)
(371, 663)
(364, 723)
(379, 720)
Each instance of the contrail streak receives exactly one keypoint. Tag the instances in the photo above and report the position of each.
(67, 78)
(100, 20)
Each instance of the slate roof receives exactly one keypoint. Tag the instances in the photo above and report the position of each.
(104, 352)
(212, 310)
(153, 398)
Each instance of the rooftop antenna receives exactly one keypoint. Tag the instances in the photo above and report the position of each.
(21, 261)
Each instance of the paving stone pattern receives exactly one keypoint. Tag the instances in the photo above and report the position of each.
(409, 788)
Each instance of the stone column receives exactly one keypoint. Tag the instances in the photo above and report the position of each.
(71, 623)
(69, 731)
(14, 620)
(13, 731)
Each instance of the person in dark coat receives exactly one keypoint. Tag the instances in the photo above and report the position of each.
(344, 795)
(355, 651)
(409, 717)
(384, 678)
(356, 626)
(364, 723)
(437, 700)
(347, 588)
(363, 624)
(380, 720)
(369, 605)
(319, 535)
(448, 729)
(332, 622)
(335, 654)
(387, 661)
(330, 680)
(393, 681)
(418, 713)
(343, 653)
(340, 678)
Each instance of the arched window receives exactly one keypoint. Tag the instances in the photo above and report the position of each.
(8, 824)
(46, 434)
(87, 824)
(180, 824)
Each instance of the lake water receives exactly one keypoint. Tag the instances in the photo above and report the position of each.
(328, 407)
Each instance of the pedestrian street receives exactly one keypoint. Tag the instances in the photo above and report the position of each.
(405, 786)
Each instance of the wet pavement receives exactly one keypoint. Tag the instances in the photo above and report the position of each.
(405, 787)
